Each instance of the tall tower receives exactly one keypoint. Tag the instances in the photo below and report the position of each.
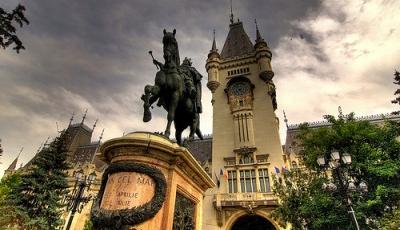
(246, 147)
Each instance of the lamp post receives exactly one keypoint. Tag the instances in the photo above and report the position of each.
(77, 200)
(344, 185)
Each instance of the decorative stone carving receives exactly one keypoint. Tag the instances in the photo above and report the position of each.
(110, 216)
(272, 93)
(266, 76)
(245, 150)
(213, 85)
(184, 213)
(228, 213)
(219, 217)
(250, 207)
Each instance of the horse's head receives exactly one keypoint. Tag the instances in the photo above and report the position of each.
(171, 52)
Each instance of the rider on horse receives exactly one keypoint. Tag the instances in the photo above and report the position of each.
(192, 79)
(178, 90)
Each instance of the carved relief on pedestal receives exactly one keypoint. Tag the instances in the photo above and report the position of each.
(184, 214)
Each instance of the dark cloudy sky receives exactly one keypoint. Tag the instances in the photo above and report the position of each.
(94, 55)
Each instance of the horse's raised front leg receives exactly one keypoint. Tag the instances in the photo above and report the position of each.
(150, 96)
(154, 91)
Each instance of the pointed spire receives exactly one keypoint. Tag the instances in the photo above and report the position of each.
(94, 125)
(285, 119)
(71, 119)
(46, 142)
(20, 151)
(40, 147)
(258, 35)
(13, 165)
(214, 45)
(231, 16)
(84, 116)
(101, 135)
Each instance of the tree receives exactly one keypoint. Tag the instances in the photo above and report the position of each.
(7, 29)
(397, 82)
(375, 159)
(7, 210)
(304, 204)
(391, 220)
(38, 198)
(88, 225)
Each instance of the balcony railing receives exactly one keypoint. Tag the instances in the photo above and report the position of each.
(235, 199)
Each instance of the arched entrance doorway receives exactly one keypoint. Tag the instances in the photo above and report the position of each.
(252, 222)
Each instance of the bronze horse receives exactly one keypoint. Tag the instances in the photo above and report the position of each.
(177, 89)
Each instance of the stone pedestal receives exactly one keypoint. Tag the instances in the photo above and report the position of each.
(151, 183)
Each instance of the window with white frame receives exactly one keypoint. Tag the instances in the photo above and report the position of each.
(232, 181)
(248, 180)
(264, 180)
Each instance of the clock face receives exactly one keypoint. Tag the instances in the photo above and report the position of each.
(240, 88)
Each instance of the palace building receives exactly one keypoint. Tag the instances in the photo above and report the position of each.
(244, 150)
(81, 152)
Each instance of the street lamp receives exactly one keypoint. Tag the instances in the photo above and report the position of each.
(76, 200)
(345, 186)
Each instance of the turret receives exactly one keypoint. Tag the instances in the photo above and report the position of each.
(263, 57)
(212, 66)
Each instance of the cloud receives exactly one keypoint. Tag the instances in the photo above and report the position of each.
(94, 55)
(360, 43)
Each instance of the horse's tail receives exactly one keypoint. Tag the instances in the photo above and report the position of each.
(199, 134)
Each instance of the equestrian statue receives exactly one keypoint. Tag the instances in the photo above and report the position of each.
(177, 89)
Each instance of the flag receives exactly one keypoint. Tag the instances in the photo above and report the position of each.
(276, 169)
(216, 177)
(226, 174)
(284, 169)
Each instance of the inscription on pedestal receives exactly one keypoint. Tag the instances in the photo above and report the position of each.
(127, 190)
